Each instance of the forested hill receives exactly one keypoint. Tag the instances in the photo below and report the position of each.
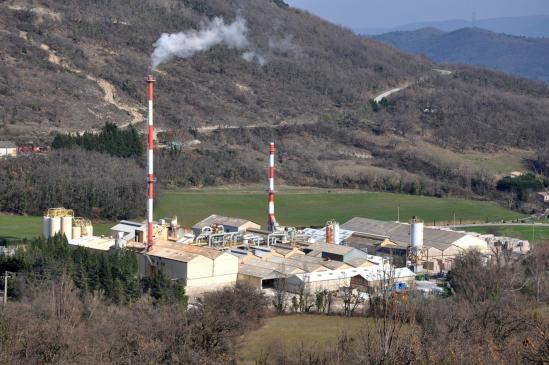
(521, 56)
(61, 60)
(75, 65)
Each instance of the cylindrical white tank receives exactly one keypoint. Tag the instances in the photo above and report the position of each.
(174, 222)
(336, 233)
(55, 226)
(66, 227)
(76, 232)
(416, 233)
(89, 230)
(46, 223)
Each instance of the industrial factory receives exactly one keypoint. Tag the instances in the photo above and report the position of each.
(219, 251)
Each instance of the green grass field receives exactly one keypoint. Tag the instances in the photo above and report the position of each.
(536, 235)
(294, 207)
(315, 207)
(286, 333)
(16, 227)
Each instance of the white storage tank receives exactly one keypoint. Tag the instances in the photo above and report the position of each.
(336, 233)
(76, 232)
(55, 226)
(416, 233)
(87, 230)
(46, 225)
(66, 227)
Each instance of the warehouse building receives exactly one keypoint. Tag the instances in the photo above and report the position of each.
(229, 224)
(393, 239)
(199, 269)
(372, 280)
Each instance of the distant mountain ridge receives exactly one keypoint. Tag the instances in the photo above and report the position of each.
(528, 26)
(528, 57)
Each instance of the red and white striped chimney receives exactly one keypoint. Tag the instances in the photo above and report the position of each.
(150, 173)
(271, 220)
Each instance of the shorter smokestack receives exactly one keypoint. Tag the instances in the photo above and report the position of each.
(271, 220)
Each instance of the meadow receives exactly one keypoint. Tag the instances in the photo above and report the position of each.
(534, 234)
(313, 207)
(294, 207)
(287, 333)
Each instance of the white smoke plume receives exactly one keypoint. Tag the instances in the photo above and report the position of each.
(212, 33)
(252, 56)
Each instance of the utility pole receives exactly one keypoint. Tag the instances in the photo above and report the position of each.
(398, 214)
(454, 219)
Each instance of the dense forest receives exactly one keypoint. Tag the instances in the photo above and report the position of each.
(75, 306)
(93, 184)
(111, 140)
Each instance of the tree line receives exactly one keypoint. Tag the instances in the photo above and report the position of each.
(112, 140)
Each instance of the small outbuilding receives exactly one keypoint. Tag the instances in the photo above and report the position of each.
(8, 149)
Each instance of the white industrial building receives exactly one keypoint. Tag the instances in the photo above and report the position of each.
(199, 269)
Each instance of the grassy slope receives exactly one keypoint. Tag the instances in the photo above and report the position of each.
(285, 333)
(521, 232)
(315, 208)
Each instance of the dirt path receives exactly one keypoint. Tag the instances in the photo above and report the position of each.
(108, 89)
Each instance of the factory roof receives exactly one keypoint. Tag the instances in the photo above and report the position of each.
(222, 220)
(335, 265)
(319, 235)
(382, 274)
(258, 272)
(279, 267)
(364, 262)
(202, 251)
(172, 254)
(335, 249)
(95, 243)
(127, 226)
(306, 266)
(7, 144)
(286, 252)
(399, 233)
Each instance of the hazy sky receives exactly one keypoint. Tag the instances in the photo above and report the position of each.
(391, 13)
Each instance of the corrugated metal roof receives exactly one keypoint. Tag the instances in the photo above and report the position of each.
(7, 144)
(284, 269)
(258, 272)
(303, 265)
(399, 233)
(334, 249)
(127, 226)
(219, 219)
(202, 251)
(96, 243)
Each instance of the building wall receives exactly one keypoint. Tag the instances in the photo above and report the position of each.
(253, 281)
(9, 152)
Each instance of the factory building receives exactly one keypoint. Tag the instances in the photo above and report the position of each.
(199, 269)
(434, 249)
(229, 224)
(372, 280)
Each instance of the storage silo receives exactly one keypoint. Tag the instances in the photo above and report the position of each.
(66, 226)
(416, 233)
(336, 233)
(46, 223)
(76, 232)
(55, 226)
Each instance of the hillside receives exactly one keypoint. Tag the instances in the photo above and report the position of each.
(521, 56)
(74, 65)
(527, 26)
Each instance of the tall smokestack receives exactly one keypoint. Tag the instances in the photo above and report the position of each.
(150, 174)
(271, 220)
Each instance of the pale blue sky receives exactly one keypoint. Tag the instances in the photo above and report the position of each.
(391, 13)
